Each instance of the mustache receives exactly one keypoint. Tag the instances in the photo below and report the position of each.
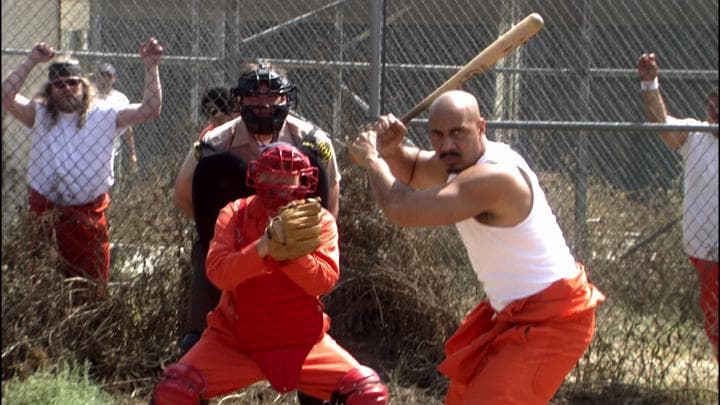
(450, 153)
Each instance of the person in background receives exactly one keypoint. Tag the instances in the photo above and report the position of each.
(217, 106)
(105, 78)
(71, 152)
(699, 151)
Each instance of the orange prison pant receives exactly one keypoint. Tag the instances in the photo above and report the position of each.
(226, 368)
(82, 235)
(708, 276)
(527, 364)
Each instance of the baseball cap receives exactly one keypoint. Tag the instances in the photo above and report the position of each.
(107, 68)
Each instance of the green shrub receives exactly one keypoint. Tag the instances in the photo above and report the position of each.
(67, 384)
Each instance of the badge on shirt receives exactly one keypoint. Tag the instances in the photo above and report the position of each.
(323, 149)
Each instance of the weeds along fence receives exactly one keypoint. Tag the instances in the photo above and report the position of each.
(569, 100)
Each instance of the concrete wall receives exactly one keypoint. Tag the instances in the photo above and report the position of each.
(24, 23)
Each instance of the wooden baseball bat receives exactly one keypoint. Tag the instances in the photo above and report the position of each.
(511, 39)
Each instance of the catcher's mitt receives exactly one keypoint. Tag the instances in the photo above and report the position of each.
(295, 231)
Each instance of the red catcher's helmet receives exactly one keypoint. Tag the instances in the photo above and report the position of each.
(281, 159)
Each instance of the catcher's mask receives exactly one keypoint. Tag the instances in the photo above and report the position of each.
(265, 118)
(281, 174)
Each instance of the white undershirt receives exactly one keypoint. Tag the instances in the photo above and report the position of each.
(519, 261)
(700, 199)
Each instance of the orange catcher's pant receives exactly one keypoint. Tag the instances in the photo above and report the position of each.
(82, 235)
(226, 368)
(522, 354)
(708, 276)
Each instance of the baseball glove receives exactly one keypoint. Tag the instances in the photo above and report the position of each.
(295, 231)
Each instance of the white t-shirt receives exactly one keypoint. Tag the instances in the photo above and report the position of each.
(700, 199)
(519, 261)
(117, 100)
(114, 99)
(71, 165)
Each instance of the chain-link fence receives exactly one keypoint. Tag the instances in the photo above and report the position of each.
(569, 100)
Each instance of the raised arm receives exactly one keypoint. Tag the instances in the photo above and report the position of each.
(408, 164)
(500, 193)
(151, 53)
(16, 104)
(653, 103)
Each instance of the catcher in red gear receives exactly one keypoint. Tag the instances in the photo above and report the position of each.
(272, 255)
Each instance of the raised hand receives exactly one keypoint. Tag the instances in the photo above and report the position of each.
(390, 134)
(42, 52)
(647, 67)
(151, 52)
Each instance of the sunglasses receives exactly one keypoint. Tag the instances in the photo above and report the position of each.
(59, 84)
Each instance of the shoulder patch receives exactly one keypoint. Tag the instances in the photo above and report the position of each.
(322, 149)
(325, 151)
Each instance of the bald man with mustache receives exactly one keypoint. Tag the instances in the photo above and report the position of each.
(520, 344)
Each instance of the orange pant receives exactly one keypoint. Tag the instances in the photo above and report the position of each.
(522, 354)
(708, 276)
(227, 369)
(82, 236)
(528, 364)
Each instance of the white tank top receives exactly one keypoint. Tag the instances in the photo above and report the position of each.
(519, 261)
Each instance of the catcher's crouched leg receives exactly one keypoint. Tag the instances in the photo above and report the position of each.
(360, 386)
(181, 384)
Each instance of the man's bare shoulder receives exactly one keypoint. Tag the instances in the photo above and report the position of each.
(484, 175)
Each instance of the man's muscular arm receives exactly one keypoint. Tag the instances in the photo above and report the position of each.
(492, 189)
(16, 104)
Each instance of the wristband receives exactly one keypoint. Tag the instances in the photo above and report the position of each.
(650, 85)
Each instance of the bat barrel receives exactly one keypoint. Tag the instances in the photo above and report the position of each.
(508, 41)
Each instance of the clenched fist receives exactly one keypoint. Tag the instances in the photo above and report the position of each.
(647, 67)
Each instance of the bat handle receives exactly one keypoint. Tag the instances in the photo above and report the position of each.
(408, 116)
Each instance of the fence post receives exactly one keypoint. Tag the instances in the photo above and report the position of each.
(507, 83)
(376, 33)
(581, 157)
(337, 105)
